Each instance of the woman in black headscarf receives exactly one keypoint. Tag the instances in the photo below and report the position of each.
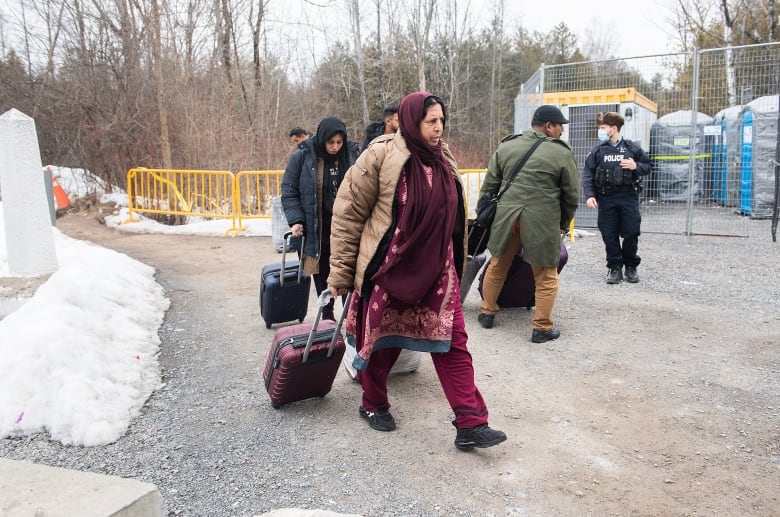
(311, 180)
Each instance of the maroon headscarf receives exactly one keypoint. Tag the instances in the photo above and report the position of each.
(419, 251)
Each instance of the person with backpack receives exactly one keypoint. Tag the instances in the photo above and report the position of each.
(298, 135)
(389, 125)
(611, 182)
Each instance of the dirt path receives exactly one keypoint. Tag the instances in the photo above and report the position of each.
(661, 398)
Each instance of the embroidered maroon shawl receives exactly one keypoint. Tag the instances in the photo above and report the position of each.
(423, 235)
(383, 321)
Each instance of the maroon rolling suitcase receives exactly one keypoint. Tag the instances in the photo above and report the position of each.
(303, 359)
(519, 286)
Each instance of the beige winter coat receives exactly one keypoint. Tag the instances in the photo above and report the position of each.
(363, 212)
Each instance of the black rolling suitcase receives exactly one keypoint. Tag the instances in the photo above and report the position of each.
(284, 291)
(303, 359)
(519, 287)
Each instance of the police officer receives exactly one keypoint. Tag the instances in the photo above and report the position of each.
(611, 182)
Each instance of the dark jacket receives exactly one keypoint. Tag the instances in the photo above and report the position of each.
(629, 150)
(373, 130)
(302, 189)
(543, 197)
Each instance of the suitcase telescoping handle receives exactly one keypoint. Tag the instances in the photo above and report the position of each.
(322, 301)
(288, 237)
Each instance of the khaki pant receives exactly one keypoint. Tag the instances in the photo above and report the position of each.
(546, 279)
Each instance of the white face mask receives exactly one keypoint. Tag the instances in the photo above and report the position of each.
(603, 136)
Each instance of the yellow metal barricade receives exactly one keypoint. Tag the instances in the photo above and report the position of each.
(222, 195)
(253, 193)
(190, 193)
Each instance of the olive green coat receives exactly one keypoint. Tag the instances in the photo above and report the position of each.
(543, 197)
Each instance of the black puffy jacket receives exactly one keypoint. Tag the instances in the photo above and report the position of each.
(373, 130)
(301, 196)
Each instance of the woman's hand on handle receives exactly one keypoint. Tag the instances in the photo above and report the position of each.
(338, 291)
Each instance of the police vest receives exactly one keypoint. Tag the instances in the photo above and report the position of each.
(610, 177)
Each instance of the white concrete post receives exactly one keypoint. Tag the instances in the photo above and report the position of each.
(28, 234)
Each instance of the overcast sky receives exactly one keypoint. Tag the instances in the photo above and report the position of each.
(631, 27)
(301, 30)
(639, 27)
(635, 27)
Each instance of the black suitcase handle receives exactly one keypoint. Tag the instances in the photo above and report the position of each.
(322, 301)
(288, 237)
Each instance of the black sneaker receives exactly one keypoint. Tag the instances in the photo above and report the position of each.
(486, 320)
(481, 437)
(631, 275)
(614, 276)
(380, 420)
(542, 336)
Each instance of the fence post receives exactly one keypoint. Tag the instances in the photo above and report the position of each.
(776, 211)
(692, 141)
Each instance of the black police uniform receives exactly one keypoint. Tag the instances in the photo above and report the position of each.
(617, 192)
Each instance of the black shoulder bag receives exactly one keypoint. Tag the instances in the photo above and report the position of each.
(479, 228)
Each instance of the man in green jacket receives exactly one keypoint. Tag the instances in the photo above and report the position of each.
(532, 214)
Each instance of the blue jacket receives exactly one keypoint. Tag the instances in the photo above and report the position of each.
(302, 189)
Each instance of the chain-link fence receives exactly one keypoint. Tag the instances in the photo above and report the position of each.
(708, 119)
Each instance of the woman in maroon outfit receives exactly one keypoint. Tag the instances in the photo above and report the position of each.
(398, 240)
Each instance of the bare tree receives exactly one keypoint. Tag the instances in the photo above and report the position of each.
(156, 48)
(451, 62)
(727, 24)
(27, 33)
(217, 83)
(379, 66)
(421, 15)
(257, 31)
(495, 68)
(354, 16)
(223, 29)
(596, 45)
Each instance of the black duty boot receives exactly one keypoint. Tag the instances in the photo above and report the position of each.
(614, 276)
(631, 275)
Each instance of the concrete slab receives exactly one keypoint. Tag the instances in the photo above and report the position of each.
(298, 512)
(27, 488)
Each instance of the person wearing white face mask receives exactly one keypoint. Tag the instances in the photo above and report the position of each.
(611, 182)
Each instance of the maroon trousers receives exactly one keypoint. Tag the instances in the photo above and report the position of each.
(455, 372)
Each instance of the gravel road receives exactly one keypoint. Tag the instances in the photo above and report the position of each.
(660, 398)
